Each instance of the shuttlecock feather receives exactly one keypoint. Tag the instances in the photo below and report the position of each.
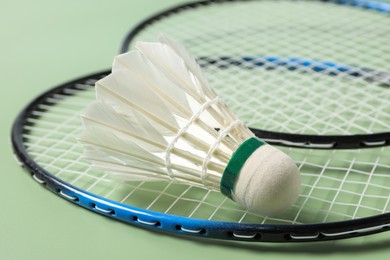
(157, 118)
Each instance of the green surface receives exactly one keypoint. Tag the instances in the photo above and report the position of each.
(44, 44)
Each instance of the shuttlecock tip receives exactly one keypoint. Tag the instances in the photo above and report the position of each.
(268, 183)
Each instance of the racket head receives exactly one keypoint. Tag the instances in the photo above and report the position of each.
(326, 61)
(330, 206)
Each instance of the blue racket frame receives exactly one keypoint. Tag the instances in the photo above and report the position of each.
(177, 224)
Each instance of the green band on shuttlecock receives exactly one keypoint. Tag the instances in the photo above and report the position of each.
(235, 164)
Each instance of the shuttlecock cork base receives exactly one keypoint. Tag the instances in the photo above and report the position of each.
(261, 178)
(156, 118)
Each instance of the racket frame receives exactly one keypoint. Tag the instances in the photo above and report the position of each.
(282, 138)
(171, 223)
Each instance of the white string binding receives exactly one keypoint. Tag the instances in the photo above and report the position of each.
(182, 131)
(212, 149)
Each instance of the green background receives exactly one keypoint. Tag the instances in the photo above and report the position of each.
(44, 43)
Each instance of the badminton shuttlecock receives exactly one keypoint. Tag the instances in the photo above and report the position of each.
(156, 118)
